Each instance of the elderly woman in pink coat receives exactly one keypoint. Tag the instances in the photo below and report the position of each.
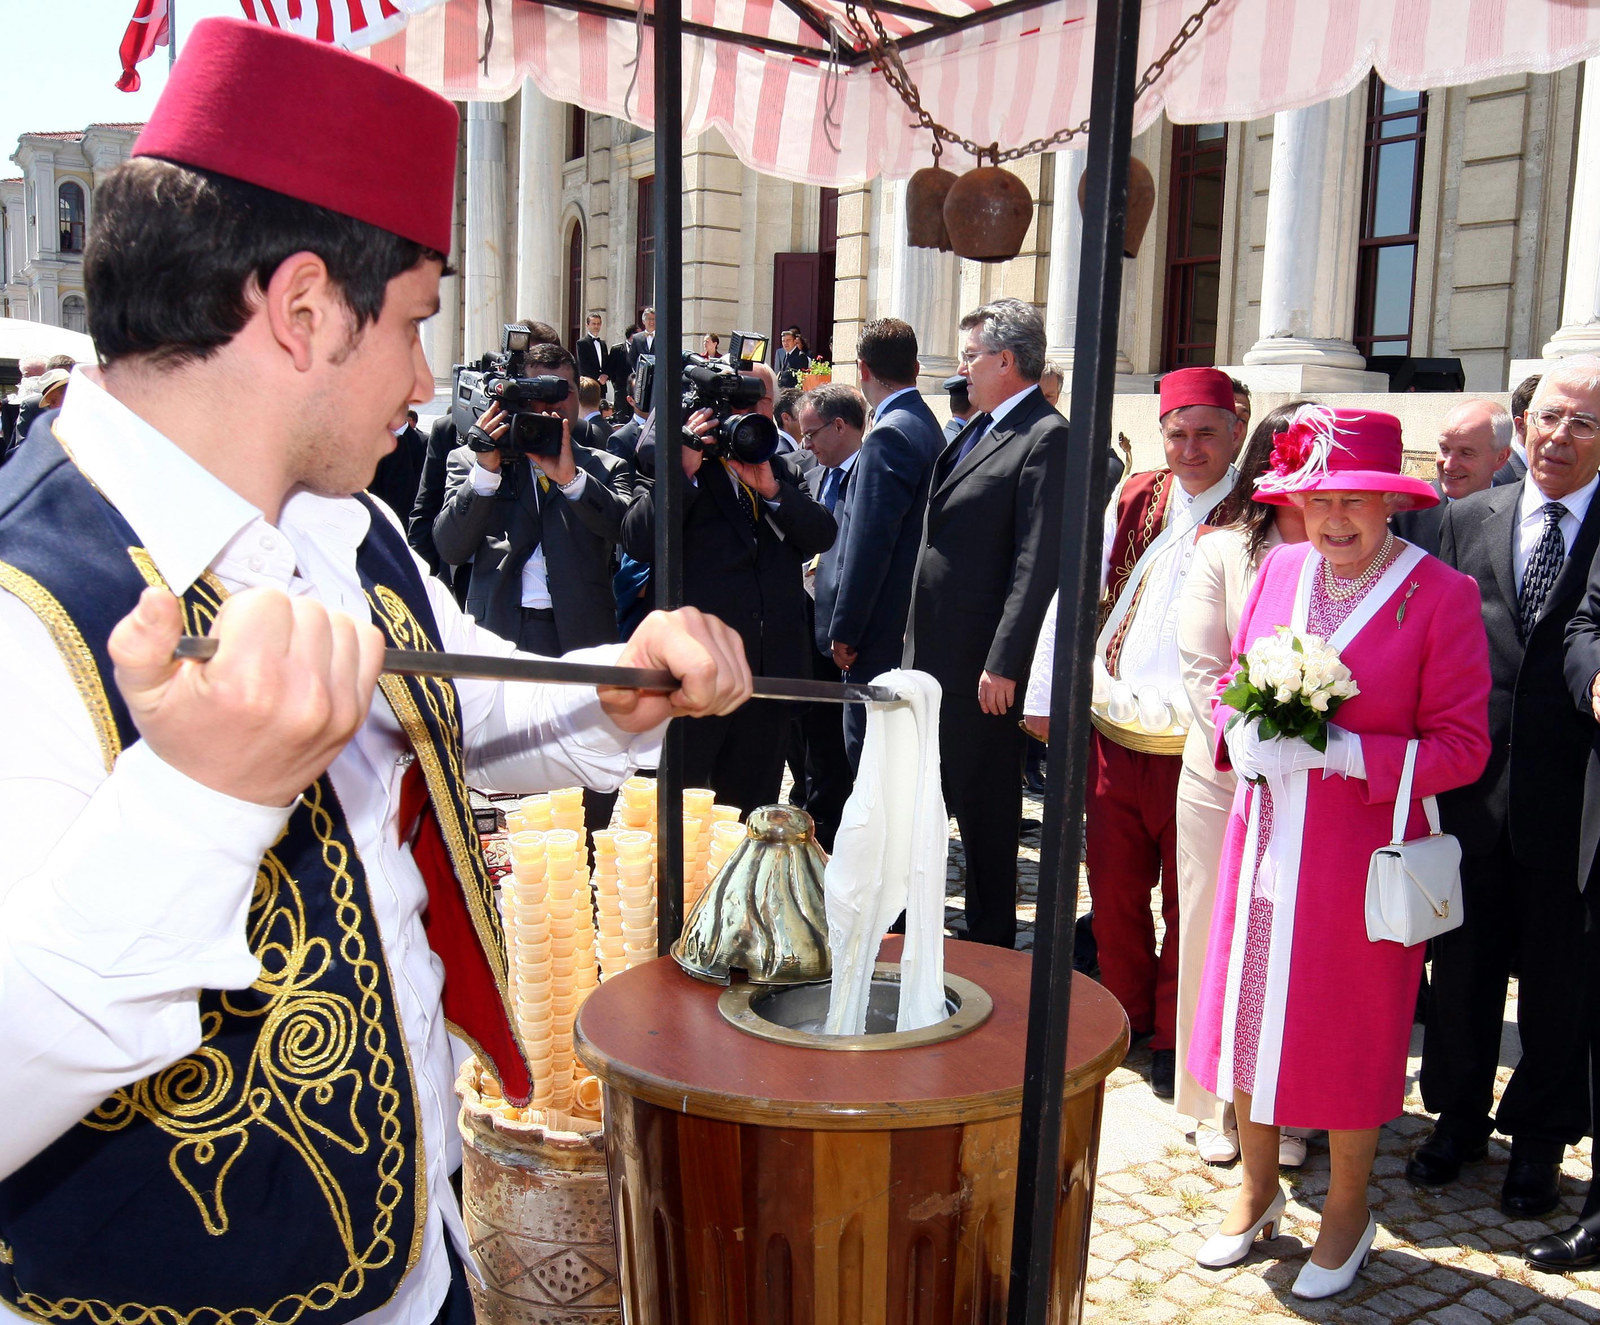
(1303, 1021)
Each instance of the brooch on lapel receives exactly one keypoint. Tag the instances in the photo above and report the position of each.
(1400, 615)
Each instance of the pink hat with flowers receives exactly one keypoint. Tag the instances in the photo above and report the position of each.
(1340, 450)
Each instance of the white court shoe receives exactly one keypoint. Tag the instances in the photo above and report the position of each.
(1224, 1249)
(1215, 1145)
(1291, 1148)
(1314, 1281)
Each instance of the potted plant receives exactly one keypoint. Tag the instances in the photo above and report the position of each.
(818, 372)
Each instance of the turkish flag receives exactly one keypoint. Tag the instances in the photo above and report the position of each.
(146, 30)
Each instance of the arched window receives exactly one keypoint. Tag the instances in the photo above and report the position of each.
(73, 213)
(74, 313)
(574, 283)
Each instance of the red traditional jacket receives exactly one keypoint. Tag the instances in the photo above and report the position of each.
(1141, 514)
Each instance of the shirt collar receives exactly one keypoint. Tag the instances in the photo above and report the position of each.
(148, 478)
(1006, 406)
(1533, 501)
(846, 465)
(884, 404)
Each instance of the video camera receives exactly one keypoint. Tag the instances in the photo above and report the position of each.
(500, 379)
(741, 433)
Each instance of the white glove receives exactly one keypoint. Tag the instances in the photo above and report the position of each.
(1345, 758)
(1273, 759)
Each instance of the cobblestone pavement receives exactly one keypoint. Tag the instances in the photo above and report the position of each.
(1449, 1257)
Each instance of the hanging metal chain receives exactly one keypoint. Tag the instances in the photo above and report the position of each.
(885, 52)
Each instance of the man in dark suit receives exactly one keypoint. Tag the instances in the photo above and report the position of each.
(832, 420)
(591, 351)
(619, 368)
(793, 361)
(864, 587)
(624, 441)
(984, 577)
(748, 531)
(1474, 443)
(589, 396)
(538, 532)
(1529, 546)
(399, 473)
(1514, 468)
(644, 341)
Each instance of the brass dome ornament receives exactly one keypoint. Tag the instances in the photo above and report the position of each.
(1141, 204)
(763, 914)
(987, 213)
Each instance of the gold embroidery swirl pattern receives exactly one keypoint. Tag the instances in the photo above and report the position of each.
(299, 1085)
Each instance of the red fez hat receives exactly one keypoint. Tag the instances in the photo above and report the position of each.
(313, 122)
(1340, 450)
(1196, 386)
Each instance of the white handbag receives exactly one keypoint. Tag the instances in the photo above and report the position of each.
(1414, 888)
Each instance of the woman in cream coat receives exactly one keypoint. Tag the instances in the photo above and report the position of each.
(1225, 565)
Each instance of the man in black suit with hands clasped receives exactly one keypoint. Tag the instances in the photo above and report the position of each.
(591, 351)
(1529, 546)
(644, 340)
(990, 545)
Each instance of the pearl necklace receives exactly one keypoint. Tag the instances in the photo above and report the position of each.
(1341, 590)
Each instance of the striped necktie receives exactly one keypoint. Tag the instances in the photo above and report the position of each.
(1543, 567)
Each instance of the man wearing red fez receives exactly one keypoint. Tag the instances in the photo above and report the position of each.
(242, 901)
(1140, 713)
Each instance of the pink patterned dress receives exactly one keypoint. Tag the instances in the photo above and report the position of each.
(1298, 1008)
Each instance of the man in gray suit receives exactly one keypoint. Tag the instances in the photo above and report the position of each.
(1514, 468)
(538, 532)
(990, 545)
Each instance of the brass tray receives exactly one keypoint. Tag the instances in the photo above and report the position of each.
(1134, 737)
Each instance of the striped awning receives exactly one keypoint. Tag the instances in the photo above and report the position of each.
(789, 110)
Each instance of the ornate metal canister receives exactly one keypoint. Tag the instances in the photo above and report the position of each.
(1141, 203)
(763, 914)
(925, 195)
(538, 1211)
(987, 213)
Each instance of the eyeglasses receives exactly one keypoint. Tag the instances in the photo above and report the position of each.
(807, 434)
(966, 360)
(1580, 427)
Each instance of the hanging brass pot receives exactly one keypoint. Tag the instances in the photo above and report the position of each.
(987, 213)
(1141, 204)
(925, 195)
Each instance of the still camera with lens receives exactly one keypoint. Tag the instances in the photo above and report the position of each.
(501, 379)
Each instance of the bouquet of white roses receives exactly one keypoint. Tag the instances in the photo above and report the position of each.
(1293, 684)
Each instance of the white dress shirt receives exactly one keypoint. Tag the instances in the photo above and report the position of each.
(535, 572)
(122, 894)
(1530, 520)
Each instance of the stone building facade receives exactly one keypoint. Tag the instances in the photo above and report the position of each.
(1458, 224)
(44, 217)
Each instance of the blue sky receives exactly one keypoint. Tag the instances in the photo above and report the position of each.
(73, 81)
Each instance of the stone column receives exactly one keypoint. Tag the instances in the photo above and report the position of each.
(1309, 269)
(922, 289)
(483, 266)
(1580, 295)
(541, 246)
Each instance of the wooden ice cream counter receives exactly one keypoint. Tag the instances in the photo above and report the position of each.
(763, 1183)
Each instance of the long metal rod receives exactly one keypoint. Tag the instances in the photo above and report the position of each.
(483, 667)
(1078, 481)
(668, 495)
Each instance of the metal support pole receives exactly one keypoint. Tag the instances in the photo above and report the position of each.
(172, 33)
(1077, 480)
(668, 39)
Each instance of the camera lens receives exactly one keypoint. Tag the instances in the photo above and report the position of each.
(752, 438)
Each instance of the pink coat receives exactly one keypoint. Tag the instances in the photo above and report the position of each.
(1330, 1042)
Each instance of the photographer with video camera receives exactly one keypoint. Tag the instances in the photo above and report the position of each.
(536, 513)
(749, 528)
